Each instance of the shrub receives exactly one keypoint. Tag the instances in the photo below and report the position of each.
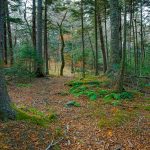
(24, 65)
(118, 96)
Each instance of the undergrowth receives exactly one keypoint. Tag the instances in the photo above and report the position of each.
(115, 119)
(33, 115)
(93, 90)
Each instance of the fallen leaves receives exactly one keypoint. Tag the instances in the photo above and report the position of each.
(82, 130)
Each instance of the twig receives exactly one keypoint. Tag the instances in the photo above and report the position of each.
(59, 140)
(53, 143)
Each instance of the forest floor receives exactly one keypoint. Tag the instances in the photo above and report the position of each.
(78, 126)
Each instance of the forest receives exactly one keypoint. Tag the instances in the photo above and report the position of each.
(74, 75)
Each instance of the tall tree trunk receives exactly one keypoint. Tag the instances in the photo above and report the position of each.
(92, 49)
(142, 41)
(9, 36)
(106, 39)
(102, 44)
(115, 42)
(96, 40)
(5, 42)
(34, 24)
(83, 44)
(39, 66)
(6, 111)
(120, 34)
(137, 47)
(45, 41)
(134, 44)
(122, 70)
(134, 38)
(130, 36)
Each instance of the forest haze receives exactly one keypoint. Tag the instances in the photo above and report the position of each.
(74, 74)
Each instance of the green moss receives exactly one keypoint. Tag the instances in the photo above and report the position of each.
(147, 108)
(116, 119)
(147, 98)
(34, 116)
(24, 85)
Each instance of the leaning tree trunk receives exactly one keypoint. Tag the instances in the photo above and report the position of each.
(62, 51)
(6, 111)
(115, 41)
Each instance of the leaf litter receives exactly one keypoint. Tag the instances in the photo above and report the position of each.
(78, 126)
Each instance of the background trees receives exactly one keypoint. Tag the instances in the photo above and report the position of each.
(84, 37)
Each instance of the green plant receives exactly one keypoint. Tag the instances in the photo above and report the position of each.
(91, 94)
(116, 103)
(78, 90)
(23, 67)
(33, 115)
(24, 85)
(112, 96)
(147, 107)
(102, 93)
(126, 95)
(115, 119)
(118, 96)
(72, 103)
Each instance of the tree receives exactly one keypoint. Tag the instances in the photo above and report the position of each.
(115, 56)
(5, 34)
(9, 35)
(83, 45)
(96, 39)
(6, 112)
(45, 40)
(34, 24)
(39, 65)
(102, 44)
(60, 25)
(119, 86)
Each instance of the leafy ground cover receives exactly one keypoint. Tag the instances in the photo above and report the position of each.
(82, 121)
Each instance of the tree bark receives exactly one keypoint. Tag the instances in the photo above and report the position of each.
(102, 44)
(96, 40)
(5, 42)
(6, 111)
(115, 42)
(92, 49)
(142, 41)
(39, 65)
(106, 39)
(83, 44)
(62, 44)
(9, 36)
(119, 86)
(45, 41)
(137, 47)
(34, 24)
(62, 51)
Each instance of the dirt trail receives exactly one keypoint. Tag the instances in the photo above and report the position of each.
(81, 128)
